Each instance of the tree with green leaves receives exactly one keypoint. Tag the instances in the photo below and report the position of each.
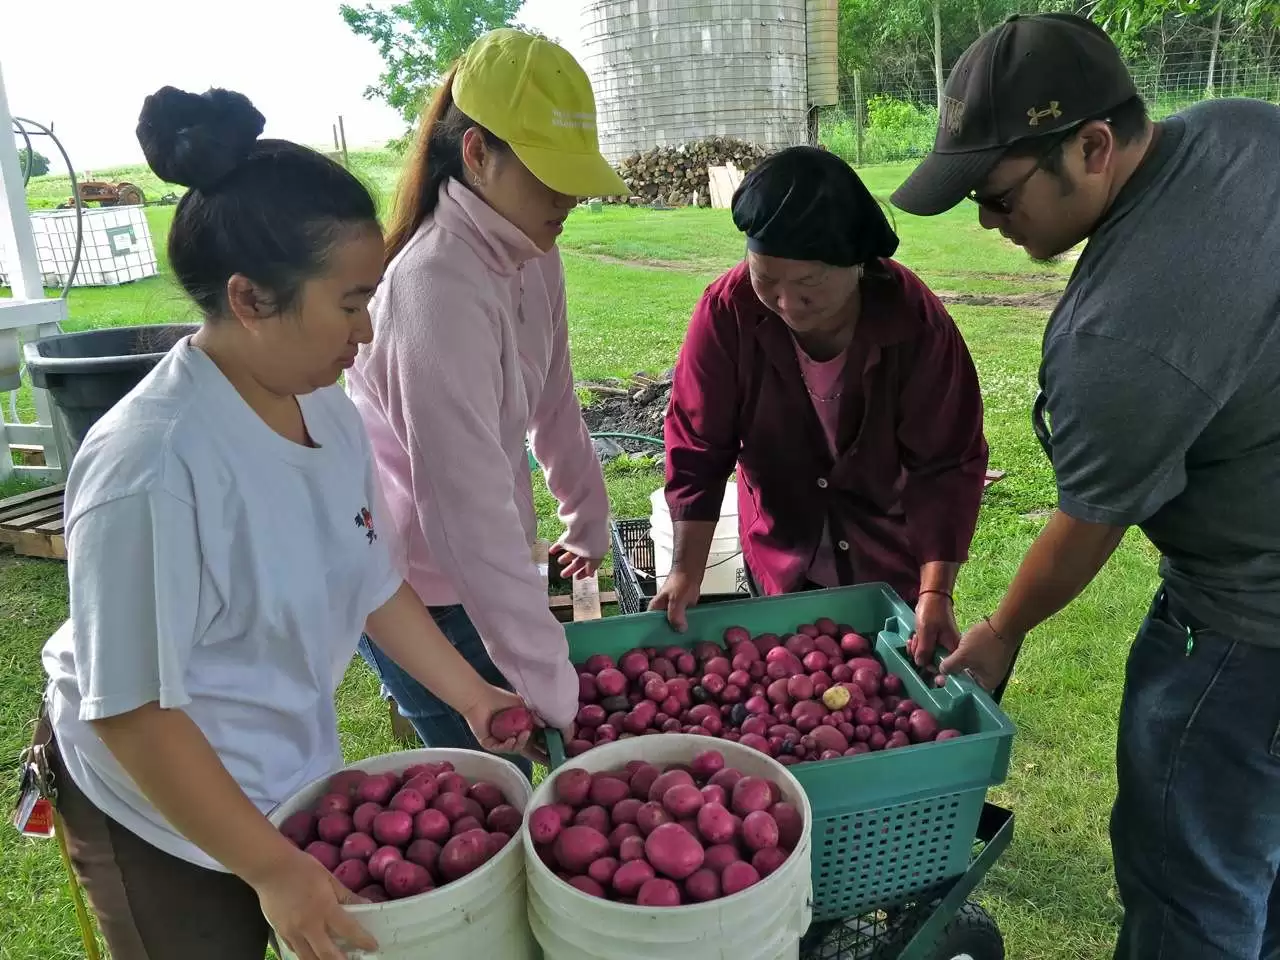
(419, 40)
(39, 162)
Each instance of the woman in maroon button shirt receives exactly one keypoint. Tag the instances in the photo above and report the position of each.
(840, 388)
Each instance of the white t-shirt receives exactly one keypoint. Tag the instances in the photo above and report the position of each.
(218, 568)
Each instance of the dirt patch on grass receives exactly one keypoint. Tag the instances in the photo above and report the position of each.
(1039, 300)
(1006, 277)
(650, 263)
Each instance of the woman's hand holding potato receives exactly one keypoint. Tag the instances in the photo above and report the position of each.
(503, 723)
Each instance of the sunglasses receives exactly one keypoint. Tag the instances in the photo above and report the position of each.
(1002, 203)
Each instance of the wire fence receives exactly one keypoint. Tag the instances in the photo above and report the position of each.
(886, 116)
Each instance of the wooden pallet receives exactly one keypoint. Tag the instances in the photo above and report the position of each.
(31, 523)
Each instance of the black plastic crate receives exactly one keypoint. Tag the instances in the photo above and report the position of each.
(633, 569)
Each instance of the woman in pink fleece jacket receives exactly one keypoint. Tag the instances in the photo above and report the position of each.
(470, 357)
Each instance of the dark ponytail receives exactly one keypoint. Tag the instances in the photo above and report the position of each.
(269, 210)
(436, 157)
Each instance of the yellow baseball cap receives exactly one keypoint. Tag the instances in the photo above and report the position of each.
(533, 94)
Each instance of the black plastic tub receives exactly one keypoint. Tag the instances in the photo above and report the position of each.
(88, 373)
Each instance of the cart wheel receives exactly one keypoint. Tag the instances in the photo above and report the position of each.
(972, 935)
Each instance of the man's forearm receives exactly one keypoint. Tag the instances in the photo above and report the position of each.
(168, 757)
(1064, 559)
(692, 546)
(404, 630)
(939, 576)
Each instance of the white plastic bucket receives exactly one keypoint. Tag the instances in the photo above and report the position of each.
(482, 915)
(724, 561)
(763, 922)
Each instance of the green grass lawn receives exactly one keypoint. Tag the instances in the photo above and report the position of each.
(633, 276)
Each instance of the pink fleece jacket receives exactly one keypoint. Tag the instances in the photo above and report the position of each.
(470, 356)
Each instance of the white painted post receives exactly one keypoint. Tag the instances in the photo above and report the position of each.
(29, 313)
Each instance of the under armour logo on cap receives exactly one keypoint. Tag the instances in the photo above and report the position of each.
(1035, 116)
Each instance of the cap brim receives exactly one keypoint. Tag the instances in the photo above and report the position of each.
(575, 174)
(943, 180)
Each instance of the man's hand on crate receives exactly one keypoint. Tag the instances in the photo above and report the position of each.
(935, 627)
(985, 654)
(679, 592)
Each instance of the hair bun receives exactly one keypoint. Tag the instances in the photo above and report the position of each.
(196, 140)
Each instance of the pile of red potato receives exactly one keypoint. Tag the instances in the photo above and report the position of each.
(662, 838)
(388, 836)
(801, 698)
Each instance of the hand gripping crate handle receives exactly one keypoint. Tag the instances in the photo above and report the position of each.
(940, 699)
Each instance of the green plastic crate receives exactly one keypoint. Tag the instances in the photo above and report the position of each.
(888, 827)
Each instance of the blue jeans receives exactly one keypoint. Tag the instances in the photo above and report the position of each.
(1195, 831)
(438, 724)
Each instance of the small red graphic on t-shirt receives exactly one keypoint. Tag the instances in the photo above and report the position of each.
(364, 520)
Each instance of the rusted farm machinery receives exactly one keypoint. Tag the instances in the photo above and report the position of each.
(107, 194)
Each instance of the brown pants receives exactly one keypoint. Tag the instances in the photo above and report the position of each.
(151, 905)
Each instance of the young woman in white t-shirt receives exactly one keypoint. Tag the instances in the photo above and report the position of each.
(226, 549)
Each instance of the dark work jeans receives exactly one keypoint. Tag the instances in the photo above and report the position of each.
(1195, 831)
(438, 724)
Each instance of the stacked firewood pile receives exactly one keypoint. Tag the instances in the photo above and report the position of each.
(677, 176)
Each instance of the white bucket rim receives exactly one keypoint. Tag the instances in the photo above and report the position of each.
(422, 755)
(628, 909)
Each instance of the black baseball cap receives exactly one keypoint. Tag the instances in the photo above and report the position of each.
(1029, 77)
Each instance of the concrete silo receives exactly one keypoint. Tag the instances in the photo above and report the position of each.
(666, 72)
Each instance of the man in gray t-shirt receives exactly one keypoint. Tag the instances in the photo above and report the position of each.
(1160, 380)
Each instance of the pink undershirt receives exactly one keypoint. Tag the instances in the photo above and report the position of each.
(823, 380)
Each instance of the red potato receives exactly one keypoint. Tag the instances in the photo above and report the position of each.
(430, 825)
(334, 828)
(577, 846)
(686, 664)
(545, 824)
(830, 755)
(904, 708)
(377, 790)
(719, 666)
(716, 824)
(300, 827)
(757, 706)
(673, 851)
(866, 663)
(362, 818)
(713, 684)
(757, 670)
(603, 870)
(841, 673)
(766, 642)
(450, 782)
(769, 859)
(504, 818)
(333, 803)
(751, 794)
(667, 780)
(866, 715)
(736, 635)
(658, 892)
(611, 683)
(727, 779)
(591, 715)
(621, 832)
(633, 663)
(798, 645)
(779, 691)
(828, 645)
(573, 786)
(868, 680)
(510, 723)
(949, 734)
(588, 886)
(630, 877)
(897, 740)
(497, 841)
(892, 684)
(577, 747)
(737, 876)
(656, 690)
(643, 779)
(878, 739)
(759, 830)
(625, 810)
(922, 726)
(404, 879)
(857, 748)
(719, 856)
(326, 853)
(346, 781)
(393, 827)
(595, 817)
(902, 725)
(683, 800)
(756, 742)
(373, 893)
(829, 738)
(756, 724)
(425, 853)
(383, 857)
(714, 794)
(815, 661)
(892, 705)
(410, 801)
(453, 805)
(742, 678)
(597, 662)
(650, 816)
(632, 848)
(825, 625)
(587, 690)
(889, 722)
(357, 846)
(800, 687)
(703, 885)
(607, 790)
(466, 852)
(352, 874)
(707, 764)
(464, 824)
(425, 784)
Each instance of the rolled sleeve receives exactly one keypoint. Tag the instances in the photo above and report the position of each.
(1122, 422)
(941, 441)
(134, 572)
(700, 430)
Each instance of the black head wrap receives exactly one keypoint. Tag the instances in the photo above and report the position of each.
(803, 203)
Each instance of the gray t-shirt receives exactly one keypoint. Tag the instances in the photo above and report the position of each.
(1161, 367)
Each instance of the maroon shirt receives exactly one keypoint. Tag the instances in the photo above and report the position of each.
(907, 484)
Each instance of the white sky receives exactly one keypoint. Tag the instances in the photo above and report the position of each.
(77, 65)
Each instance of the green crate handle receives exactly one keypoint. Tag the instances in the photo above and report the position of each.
(555, 749)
